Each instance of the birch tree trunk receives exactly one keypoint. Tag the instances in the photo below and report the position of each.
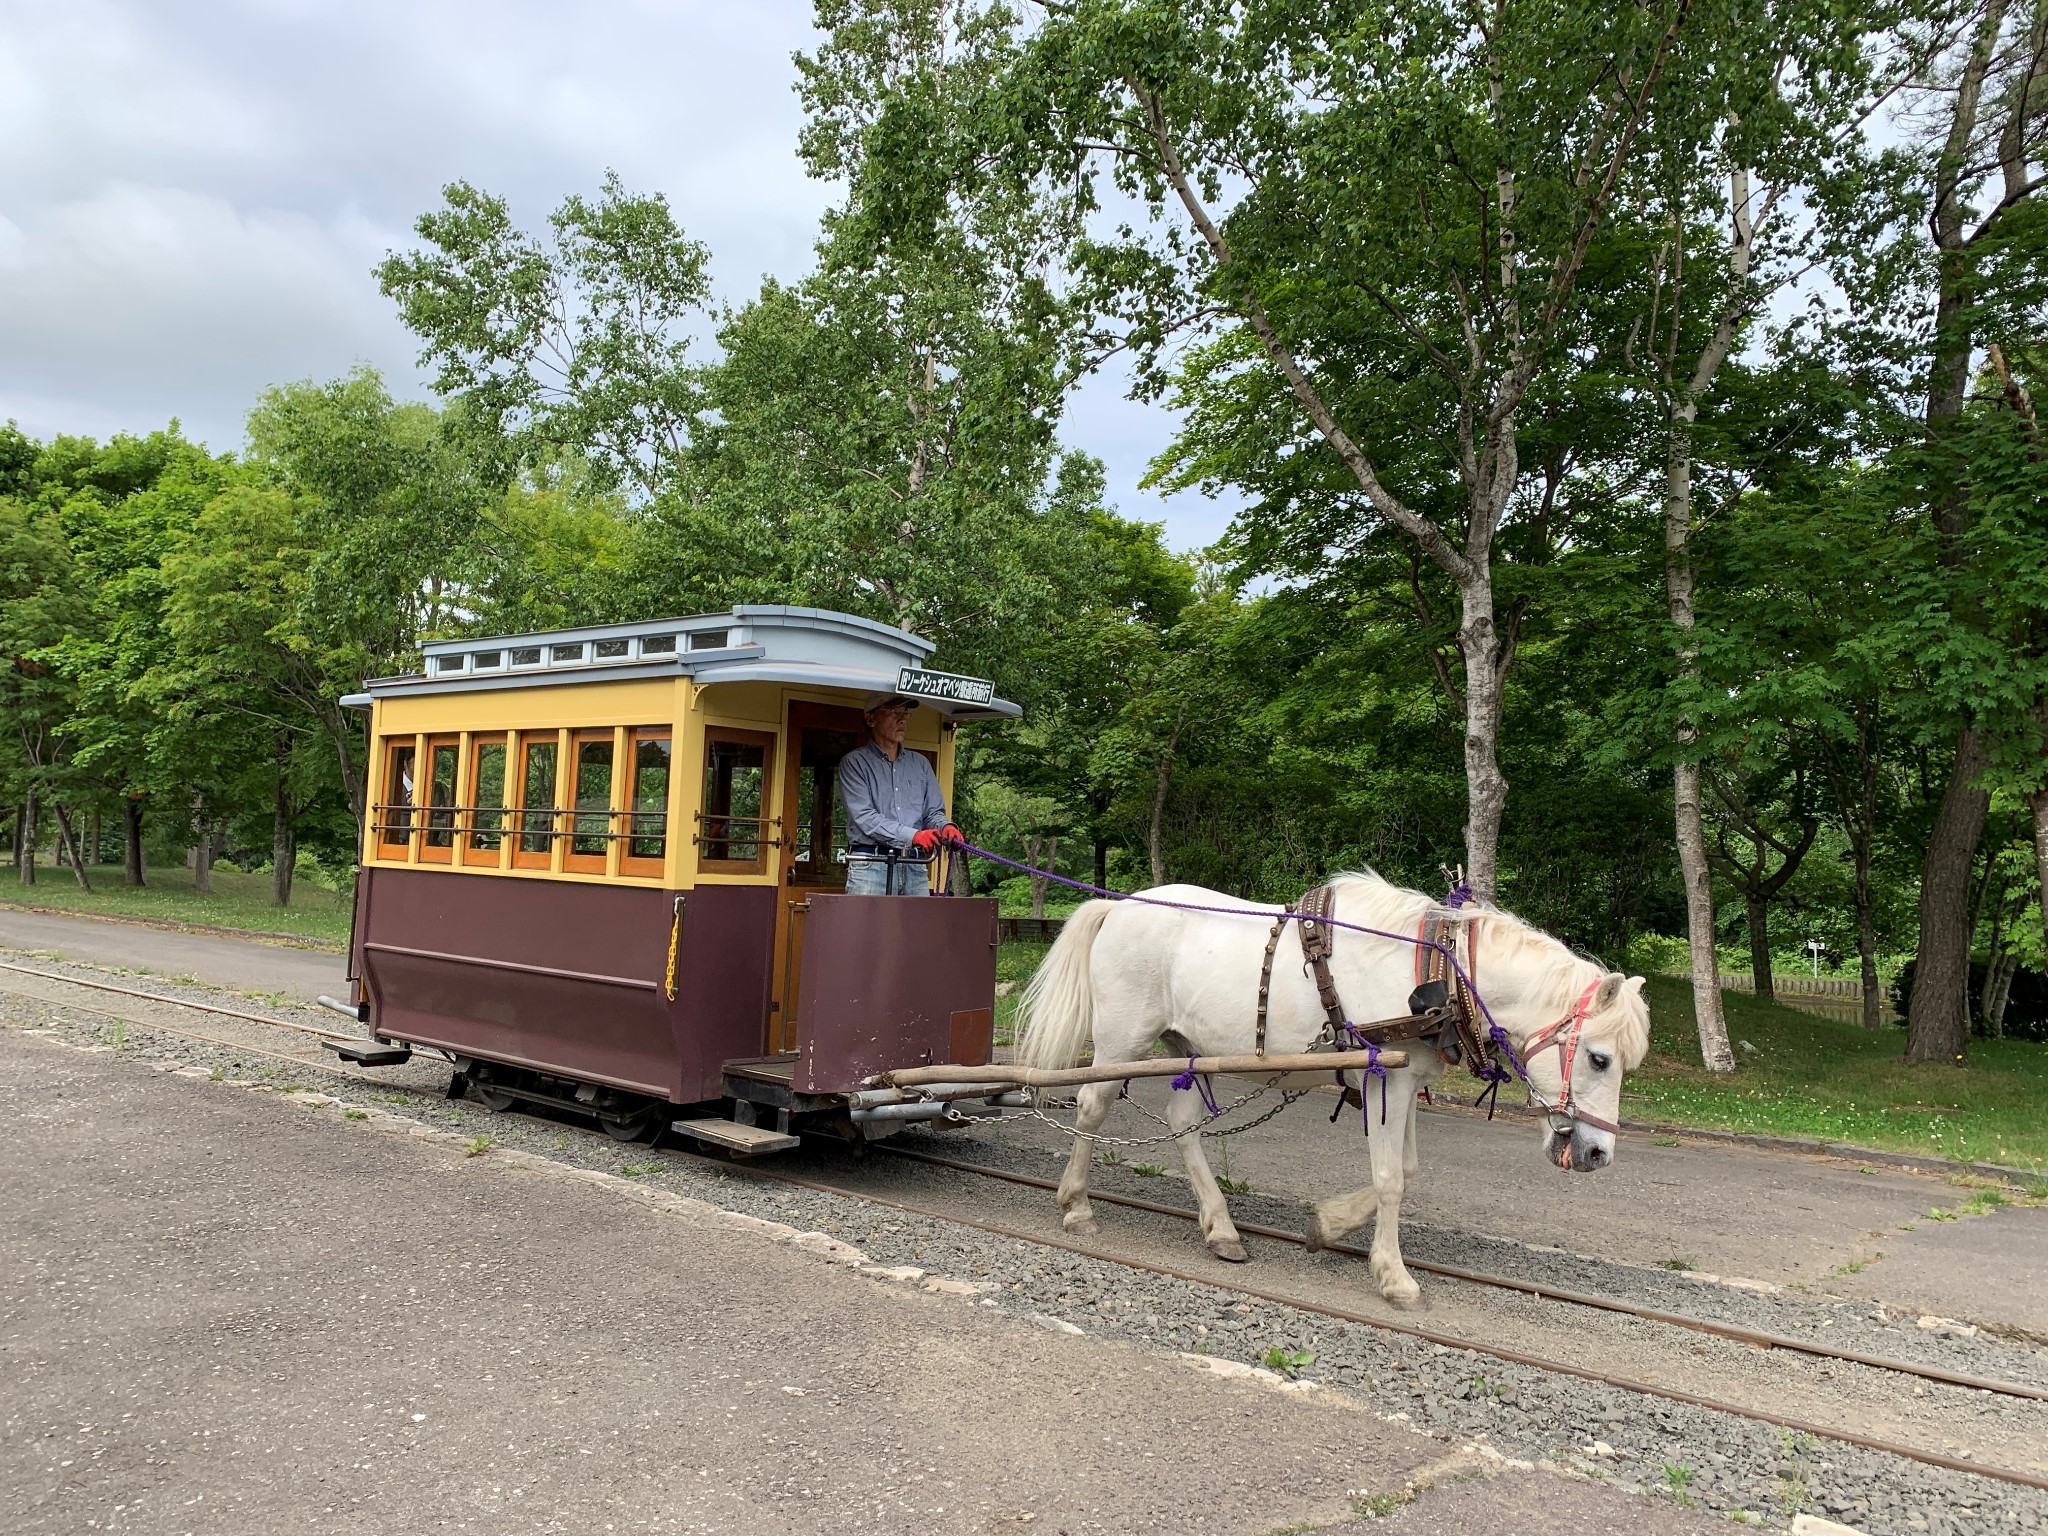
(1486, 787)
(25, 848)
(2040, 803)
(67, 839)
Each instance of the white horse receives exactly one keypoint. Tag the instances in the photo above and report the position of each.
(1128, 974)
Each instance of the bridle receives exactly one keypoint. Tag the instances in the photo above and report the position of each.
(1563, 1037)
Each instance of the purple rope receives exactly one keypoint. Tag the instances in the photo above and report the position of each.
(1460, 896)
(1372, 1068)
(1448, 951)
(1188, 1079)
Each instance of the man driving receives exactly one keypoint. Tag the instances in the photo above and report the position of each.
(895, 815)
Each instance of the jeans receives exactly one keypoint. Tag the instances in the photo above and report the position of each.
(867, 876)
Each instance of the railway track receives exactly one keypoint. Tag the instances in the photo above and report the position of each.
(1209, 1280)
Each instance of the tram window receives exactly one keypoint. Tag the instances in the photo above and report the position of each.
(647, 825)
(487, 797)
(734, 839)
(484, 661)
(439, 842)
(591, 822)
(608, 648)
(566, 652)
(395, 818)
(538, 751)
(708, 640)
(525, 656)
(448, 663)
(658, 645)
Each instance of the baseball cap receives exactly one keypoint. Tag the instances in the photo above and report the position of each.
(884, 700)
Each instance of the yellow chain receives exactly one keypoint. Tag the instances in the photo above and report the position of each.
(675, 939)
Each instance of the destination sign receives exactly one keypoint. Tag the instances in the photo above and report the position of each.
(915, 684)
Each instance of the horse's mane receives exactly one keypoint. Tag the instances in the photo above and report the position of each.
(1559, 975)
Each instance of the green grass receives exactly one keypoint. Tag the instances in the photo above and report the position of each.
(1823, 1078)
(238, 900)
(1015, 961)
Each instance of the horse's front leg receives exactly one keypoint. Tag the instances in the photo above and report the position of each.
(1184, 1112)
(1091, 1112)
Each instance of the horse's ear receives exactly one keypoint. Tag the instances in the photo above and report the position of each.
(1610, 989)
(1635, 985)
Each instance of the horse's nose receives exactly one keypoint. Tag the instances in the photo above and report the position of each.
(1592, 1156)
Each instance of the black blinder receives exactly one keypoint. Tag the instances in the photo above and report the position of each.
(1429, 996)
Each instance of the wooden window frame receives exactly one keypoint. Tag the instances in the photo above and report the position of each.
(423, 778)
(467, 853)
(769, 742)
(397, 849)
(526, 741)
(590, 863)
(628, 864)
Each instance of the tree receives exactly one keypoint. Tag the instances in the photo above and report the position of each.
(1416, 197)
(1984, 133)
(577, 344)
(40, 604)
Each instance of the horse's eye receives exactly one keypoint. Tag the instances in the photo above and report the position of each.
(1600, 1059)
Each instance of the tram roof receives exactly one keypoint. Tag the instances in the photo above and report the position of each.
(754, 642)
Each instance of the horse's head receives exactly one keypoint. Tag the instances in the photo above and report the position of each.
(1575, 1064)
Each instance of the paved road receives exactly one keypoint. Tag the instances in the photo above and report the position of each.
(1725, 1209)
(229, 1314)
(240, 964)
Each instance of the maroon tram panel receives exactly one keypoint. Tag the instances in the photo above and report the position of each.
(569, 977)
(893, 981)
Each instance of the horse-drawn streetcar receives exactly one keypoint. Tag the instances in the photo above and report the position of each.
(605, 871)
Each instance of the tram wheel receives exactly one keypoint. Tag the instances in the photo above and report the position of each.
(496, 1100)
(632, 1127)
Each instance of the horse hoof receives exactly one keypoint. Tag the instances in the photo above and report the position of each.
(1231, 1251)
(1413, 1303)
(1312, 1239)
(1085, 1227)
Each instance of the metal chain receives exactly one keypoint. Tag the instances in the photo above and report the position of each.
(1287, 1097)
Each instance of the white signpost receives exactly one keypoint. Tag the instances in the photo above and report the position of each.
(913, 683)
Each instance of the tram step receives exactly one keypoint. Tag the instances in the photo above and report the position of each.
(734, 1137)
(369, 1053)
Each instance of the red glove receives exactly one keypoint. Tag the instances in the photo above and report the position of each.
(927, 841)
(950, 835)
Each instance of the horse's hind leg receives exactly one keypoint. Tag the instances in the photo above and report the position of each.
(1340, 1215)
(1218, 1230)
(1091, 1111)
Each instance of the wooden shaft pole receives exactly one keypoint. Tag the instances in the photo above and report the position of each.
(1154, 1066)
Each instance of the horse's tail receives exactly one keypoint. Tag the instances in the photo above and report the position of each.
(1057, 1010)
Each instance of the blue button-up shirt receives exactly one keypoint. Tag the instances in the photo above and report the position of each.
(888, 803)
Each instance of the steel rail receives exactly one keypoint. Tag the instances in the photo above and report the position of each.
(315, 1064)
(178, 1002)
(1533, 1288)
(1410, 1330)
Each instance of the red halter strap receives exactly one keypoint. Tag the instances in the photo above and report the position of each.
(1563, 1036)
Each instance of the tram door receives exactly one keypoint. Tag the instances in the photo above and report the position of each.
(814, 833)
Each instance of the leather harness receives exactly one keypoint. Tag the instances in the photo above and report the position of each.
(1442, 1009)
(1425, 1022)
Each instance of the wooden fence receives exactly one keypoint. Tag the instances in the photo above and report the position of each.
(1029, 930)
(1797, 986)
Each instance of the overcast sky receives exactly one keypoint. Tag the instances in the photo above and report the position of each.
(194, 193)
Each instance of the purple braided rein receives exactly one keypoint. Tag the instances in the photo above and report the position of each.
(1493, 1075)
